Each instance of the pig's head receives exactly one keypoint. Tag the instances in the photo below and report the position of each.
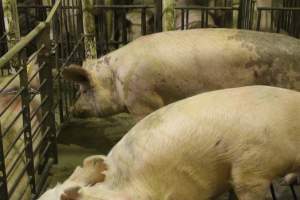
(98, 94)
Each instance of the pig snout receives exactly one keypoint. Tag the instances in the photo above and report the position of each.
(83, 109)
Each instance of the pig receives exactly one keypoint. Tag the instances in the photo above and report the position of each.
(199, 148)
(161, 68)
(10, 133)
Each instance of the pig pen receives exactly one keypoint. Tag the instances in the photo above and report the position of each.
(80, 138)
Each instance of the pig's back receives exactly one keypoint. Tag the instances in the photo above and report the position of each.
(212, 130)
(179, 64)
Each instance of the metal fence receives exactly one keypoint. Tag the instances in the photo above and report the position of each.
(34, 99)
(245, 15)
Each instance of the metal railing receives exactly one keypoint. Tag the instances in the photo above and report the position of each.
(35, 100)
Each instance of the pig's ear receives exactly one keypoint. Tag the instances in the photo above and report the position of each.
(71, 193)
(77, 74)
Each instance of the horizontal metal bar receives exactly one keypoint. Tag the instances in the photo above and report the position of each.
(12, 101)
(25, 189)
(37, 71)
(206, 8)
(20, 154)
(18, 137)
(43, 154)
(38, 108)
(5, 132)
(11, 80)
(29, 37)
(280, 9)
(47, 7)
(14, 186)
(42, 183)
(36, 53)
(3, 36)
(122, 6)
(42, 140)
(33, 6)
(41, 122)
(73, 51)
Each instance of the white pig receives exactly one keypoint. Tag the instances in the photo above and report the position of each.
(200, 147)
(161, 68)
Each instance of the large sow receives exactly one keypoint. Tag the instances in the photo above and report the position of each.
(161, 68)
(198, 148)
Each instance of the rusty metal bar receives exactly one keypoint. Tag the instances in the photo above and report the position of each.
(3, 177)
(24, 41)
(144, 28)
(25, 99)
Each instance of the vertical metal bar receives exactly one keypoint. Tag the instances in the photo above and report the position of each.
(240, 14)
(106, 31)
(187, 18)
(3, 178)
(61, 51)
(25, 98)
(206, 18)
(182, 18)
(158, 18)
(279, 21)
(46, 91)
(124, 27)
(116, 28)
(202, 18)
(143, 21)
(258, 19)
(99, 33)
(293, 192)
(273, 192)
(67, 33)
(272, 20)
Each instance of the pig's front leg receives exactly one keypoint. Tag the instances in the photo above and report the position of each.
(290, 179)
(249, 186)
(91, 172)
(145, 103)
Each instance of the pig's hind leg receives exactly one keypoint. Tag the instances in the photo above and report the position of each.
(248, 185)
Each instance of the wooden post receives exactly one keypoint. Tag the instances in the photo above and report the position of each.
(89, 29)
(168, 15)
(12, 28)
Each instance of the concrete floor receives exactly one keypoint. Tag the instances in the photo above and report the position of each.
(81, 138)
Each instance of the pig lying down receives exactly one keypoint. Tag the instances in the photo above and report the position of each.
(197, 149)
(162, 68)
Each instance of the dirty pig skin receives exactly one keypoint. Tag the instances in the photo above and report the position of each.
(198, 148)
(161, 68)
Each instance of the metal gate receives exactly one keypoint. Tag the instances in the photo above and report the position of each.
(34, 99)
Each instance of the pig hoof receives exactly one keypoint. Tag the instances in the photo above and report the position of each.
(71, 193)
(290, 179)
(96, 161)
